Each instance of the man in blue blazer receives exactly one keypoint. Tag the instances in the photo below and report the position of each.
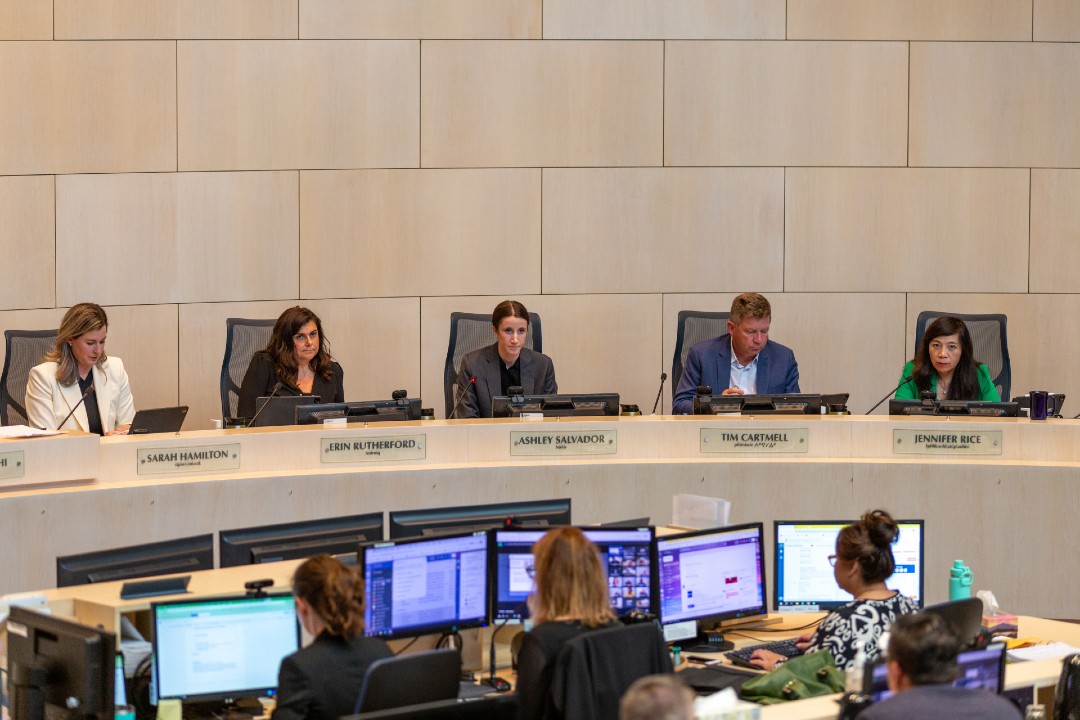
(741, 362)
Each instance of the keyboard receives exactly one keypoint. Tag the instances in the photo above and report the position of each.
(787, 648)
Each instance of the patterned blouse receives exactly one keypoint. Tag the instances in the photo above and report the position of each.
(864, 620)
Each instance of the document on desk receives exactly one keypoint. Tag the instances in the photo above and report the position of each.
(25, 431)
(1042, 652)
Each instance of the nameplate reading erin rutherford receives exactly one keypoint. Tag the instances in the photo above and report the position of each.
(946, 442)
(12, 465)
(370, 449)
(771, 440)
(556, 443)
(200, 458)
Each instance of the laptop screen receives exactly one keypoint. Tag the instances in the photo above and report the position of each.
(977, 669)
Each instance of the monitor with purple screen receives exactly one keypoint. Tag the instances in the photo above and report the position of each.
(977, 669)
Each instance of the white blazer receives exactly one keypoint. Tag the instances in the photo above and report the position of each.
(48, 402)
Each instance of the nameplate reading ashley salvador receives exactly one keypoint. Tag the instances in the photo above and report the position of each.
(560, 443)
(755, 440)
(12, 465)
(946, 442)
(198, 458)
(365, 448)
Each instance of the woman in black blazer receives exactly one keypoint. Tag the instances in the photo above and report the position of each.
(322, 680)
(298, 357)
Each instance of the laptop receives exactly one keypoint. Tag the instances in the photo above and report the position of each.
(158, 420)
(976, 669)
(280, 409)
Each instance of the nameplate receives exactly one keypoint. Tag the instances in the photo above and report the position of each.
(12, 465)
(198, 458)
(556, 443)
(773, 440)
(946, 442)
(371, 449)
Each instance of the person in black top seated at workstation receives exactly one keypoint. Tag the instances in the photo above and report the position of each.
(922, 665)
(298, 357)
(322, 680)
(861, 565)
(491, 371)
(570, 598)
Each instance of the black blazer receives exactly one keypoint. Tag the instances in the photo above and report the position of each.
(322, 681)
(260, 378)
(537, 378)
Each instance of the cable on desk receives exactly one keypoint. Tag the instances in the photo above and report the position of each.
(408, 646)
(746, 634)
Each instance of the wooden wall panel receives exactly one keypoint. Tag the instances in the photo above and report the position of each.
(167, 19)
(598, 343)
(502, 103)
(178, 237)
(881, 229)
(663, 229)
(995, 104)
(26, 20)
(446, 19)
(780, 103)
(843, 342)
(27, 240)
(419, 232)
(264, 105)
(1056, 21)
(1055, 230)
(87, 107)
(685, 19)
(909, 20)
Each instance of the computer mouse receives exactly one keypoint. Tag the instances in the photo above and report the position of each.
(500, 685)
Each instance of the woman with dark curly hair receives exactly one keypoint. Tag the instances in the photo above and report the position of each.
(945, 365)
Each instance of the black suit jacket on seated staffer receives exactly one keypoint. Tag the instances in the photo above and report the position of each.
(322, 681)
(537, 378)
(260, 378)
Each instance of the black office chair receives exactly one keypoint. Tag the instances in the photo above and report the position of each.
(243, 338)
(989, 339)
(963, 616)
(472, 331)
(25, 349)
(497, 707)
(694, 326)
(595, 669)
(1067, 695)
(421, 677)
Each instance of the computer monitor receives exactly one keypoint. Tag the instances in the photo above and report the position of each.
(786, 404)
(976, 670)
(52, 661)
(366, 411)
(182, 555)
(222, 649)
(425, 585)
(291, 541)
(978, 408)
(711, 576)
(465, 518)
(577, 405)
(804, 579)
(626, 554)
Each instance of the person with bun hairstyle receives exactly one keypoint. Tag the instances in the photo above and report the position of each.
(945, 365)
(491, 371)
(322, 681)
(861, 565)
(570, 597)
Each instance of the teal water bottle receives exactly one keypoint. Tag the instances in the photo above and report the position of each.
(960, 580)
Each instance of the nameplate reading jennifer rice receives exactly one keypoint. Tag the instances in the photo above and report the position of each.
(756, 440)
(370, 449)
(555, 443)
(946, 442)
(12, 465)
(200, 458)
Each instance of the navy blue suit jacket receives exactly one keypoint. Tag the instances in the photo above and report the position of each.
(709, 363)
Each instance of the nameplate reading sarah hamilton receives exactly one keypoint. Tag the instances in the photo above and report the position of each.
(555, 443)
(200, 458)
(12, 465)
(946, 442)
(759, 440)
(371, 449)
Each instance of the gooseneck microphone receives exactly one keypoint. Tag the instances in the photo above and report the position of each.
(659, 392)
(81, 401)
(266, 402)
(457, 405)
(493, 680)
(890, 393)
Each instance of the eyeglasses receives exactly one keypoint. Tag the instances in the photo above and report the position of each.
(832, 560)
(530, 570)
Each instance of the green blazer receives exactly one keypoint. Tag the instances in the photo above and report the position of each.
(908, 391)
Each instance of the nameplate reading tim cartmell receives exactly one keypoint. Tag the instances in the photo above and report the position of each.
(946, 442)
(558, 443)
(371, 449)
(199, 458)
(12, 465)
(757, 440)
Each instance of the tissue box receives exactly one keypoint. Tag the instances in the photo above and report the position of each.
(993, 620)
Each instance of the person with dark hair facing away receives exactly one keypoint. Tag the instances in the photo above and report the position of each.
(945, 365)
(861, 565)
(658, 697)
(570, 597)
(298, 357)
(922, 665)
(741, 362)
(322, 681)
(491, 371)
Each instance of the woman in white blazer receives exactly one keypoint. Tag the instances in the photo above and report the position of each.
(77, 366)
